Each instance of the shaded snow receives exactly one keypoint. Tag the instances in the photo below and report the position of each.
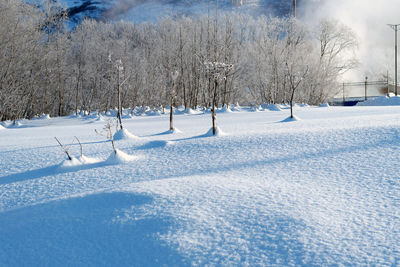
(290, 119)
(225, 109)
(324, 105)
(272, 107)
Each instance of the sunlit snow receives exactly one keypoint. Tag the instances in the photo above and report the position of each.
(323, 190)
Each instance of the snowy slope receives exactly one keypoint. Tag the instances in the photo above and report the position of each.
(152, 10)
(324, 190)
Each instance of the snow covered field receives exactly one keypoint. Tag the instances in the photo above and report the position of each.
(323, 190)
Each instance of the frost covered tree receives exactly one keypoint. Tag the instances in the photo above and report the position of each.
(295, 59)
(47, 68)
(217, 71)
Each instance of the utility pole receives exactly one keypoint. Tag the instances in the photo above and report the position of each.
(395, 28)
(366, 81)
(294, 8)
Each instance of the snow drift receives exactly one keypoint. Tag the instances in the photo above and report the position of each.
(381, 101)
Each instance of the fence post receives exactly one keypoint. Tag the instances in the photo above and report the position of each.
(387, 82)
(344, 100)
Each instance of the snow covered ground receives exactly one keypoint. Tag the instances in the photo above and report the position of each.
(323, 190)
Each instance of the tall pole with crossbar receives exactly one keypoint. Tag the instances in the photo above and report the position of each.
(395, 28)
(294, 8)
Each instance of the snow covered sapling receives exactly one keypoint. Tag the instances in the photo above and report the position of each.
(80, 145)
(216, 71)
(295, 78)
(107, 132)
(296, 59)
(64, 148)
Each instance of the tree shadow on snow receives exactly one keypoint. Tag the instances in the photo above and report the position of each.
(48, 171)
(86, 231)
(35, 149)
(153, 144)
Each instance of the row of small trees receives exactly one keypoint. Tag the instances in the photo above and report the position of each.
(46, 68)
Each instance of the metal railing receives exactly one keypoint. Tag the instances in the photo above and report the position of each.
(354, 92)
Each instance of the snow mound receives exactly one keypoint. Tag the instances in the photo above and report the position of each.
(87, 160)
(120, 157)
(173, 131)
(236, 107)
(324, 105)
(127, 116)
(178, 111)
(153, 112)
(218, 132)
(381, 101)
(44, 117)
(272, 107)
(289, 119)
(78, 161)
(124, 134)
(190, 111)
(255, 109)
(225, 109)
(16, 124)
(100, 118)
(285, 106)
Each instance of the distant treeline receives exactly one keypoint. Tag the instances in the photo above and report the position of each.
(46, 68)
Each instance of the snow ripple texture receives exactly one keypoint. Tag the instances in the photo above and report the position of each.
(323, 190)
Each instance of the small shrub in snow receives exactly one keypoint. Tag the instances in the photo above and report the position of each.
(107, 132)
(64, 148)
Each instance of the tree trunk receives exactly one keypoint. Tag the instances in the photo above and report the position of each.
(119, 113)
(213, 116)
(171, 110)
